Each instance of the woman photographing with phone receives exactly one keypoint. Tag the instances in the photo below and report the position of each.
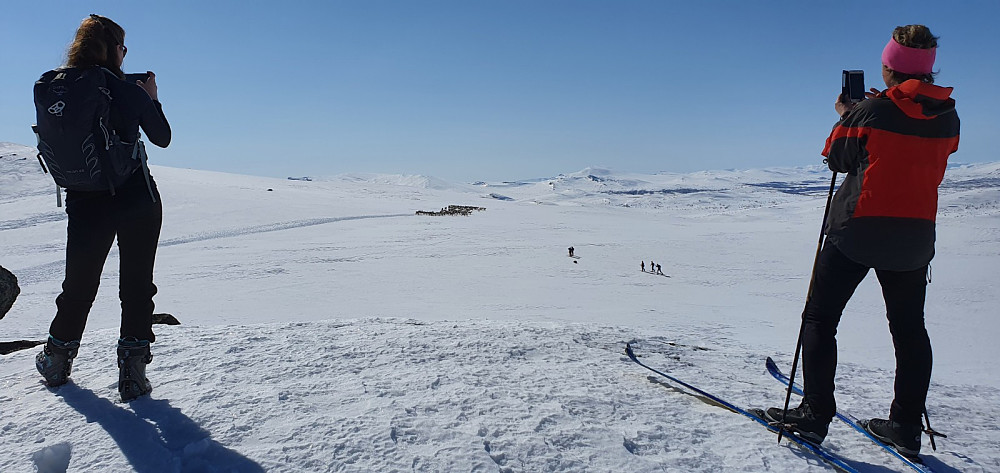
(894, 147)
(129, 210)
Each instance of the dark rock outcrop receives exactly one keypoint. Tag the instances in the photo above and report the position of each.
(165, 319)
(453, 210)
(8, 290)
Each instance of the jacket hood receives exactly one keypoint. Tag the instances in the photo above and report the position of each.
(922, 100)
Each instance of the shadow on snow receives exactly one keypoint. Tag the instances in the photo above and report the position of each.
(155, 436)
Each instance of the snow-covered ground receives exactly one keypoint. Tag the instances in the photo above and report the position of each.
(326, 327)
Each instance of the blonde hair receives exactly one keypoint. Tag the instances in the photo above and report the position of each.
(95, 44)
(913, 36)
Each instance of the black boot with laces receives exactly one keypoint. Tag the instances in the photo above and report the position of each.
(133, 356)
(800, 420)
(905, 437)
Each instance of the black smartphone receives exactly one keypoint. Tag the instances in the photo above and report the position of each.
(131, 78)
(853, 83)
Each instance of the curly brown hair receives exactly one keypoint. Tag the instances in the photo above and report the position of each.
(913, 36)
(96, 44)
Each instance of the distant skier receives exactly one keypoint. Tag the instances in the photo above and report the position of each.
(894, 148)
(642, 265)
(658, 270)
(571, 252)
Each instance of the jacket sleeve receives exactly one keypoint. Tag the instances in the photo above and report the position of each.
(845, 147)
(154, 123)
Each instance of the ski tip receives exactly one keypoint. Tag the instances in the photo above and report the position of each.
(772, 367)
(629, 352)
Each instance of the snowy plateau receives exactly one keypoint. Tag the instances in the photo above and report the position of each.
(327, 327)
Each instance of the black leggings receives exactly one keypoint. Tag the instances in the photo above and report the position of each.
(95, 219)
(904, 291)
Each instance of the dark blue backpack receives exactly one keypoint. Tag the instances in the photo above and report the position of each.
(75, 138)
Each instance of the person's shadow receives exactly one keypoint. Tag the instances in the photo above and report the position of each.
(156, 437)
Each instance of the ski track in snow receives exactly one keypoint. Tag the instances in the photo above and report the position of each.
(53, 270)
(274, 227)
(31, 221)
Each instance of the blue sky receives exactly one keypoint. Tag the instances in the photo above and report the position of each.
(495, 90)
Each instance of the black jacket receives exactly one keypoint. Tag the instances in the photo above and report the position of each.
(131, 107)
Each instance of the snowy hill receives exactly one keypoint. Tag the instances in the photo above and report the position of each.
(326, 327)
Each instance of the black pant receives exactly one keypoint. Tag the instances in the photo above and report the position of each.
(95, 219)
(904, 291)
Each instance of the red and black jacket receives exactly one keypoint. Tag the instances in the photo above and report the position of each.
(894, 149)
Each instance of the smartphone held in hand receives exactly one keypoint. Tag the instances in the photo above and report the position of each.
(131, 78)
(853, 83)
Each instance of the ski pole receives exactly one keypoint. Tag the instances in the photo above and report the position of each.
(931, 432)
(812, 279)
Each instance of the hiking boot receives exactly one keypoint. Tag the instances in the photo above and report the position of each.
(55, 362)
(133, 356)
(905, 437)
(801, 421)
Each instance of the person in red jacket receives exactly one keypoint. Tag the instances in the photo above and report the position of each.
(894, 148)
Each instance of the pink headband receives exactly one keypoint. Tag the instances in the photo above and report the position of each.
(908, 60)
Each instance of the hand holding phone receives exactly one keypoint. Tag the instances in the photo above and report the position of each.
(842, 106)
(146, 80)
(139, 76)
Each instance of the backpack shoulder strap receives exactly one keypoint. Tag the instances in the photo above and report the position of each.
(140, 152)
